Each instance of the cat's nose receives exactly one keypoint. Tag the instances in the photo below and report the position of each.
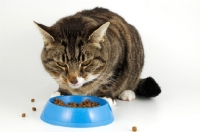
(73, 80)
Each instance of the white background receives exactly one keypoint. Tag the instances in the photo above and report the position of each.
(170, 32)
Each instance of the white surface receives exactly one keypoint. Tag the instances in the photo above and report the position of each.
(170, 32)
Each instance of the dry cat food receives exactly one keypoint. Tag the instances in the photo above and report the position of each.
(32, 100)
(85, 104)
(134, 128)
(33, 108)
(23, 114)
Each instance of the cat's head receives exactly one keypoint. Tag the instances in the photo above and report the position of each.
(74, 52)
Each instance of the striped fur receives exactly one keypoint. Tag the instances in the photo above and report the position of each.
(97, 43)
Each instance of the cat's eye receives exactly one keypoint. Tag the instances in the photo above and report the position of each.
(85, 63)
(62, 64)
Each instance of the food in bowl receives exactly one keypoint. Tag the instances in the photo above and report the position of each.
(85, 104)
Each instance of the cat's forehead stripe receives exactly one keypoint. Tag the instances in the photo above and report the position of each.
(73, 51)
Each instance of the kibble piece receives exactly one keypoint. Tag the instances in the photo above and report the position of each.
(32, 100)
(23, 114)
(134, 128)
(33, 108)
(87, 103)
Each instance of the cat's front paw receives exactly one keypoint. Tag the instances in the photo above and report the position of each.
(55, 94)
(127, 95)
(110, 101)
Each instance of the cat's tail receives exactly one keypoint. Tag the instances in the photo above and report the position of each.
(148, 87)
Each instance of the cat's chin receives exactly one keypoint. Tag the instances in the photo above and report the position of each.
(76, 86)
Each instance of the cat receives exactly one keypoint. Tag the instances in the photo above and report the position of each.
(96, 52)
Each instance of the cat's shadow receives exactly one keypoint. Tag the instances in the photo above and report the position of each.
(141, 98)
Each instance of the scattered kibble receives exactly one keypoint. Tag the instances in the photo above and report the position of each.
(134, 128)
(85, 104)
(23, 114)
(33, 108)
(32, 100)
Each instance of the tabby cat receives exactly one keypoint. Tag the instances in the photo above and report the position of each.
(96, 52)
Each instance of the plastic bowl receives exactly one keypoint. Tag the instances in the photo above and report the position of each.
(77, 117)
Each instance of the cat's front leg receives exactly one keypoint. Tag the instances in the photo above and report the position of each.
(111, 102)
(60, 92)
(56, 93)
(106, 94)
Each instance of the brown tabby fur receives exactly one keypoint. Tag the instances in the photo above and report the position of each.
(118, 55)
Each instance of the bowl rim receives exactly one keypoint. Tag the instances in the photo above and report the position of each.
(82, 96)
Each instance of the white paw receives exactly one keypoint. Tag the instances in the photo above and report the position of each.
(110, 101)
(55, 94)
(127, 95)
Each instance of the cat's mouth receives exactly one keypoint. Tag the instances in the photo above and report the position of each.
(80, 82)
(75, 86)
(83, 82)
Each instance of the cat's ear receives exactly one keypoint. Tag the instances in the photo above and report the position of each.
(44, 30)
(98, 35)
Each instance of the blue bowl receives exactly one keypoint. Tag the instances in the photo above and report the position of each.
(77, 117)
